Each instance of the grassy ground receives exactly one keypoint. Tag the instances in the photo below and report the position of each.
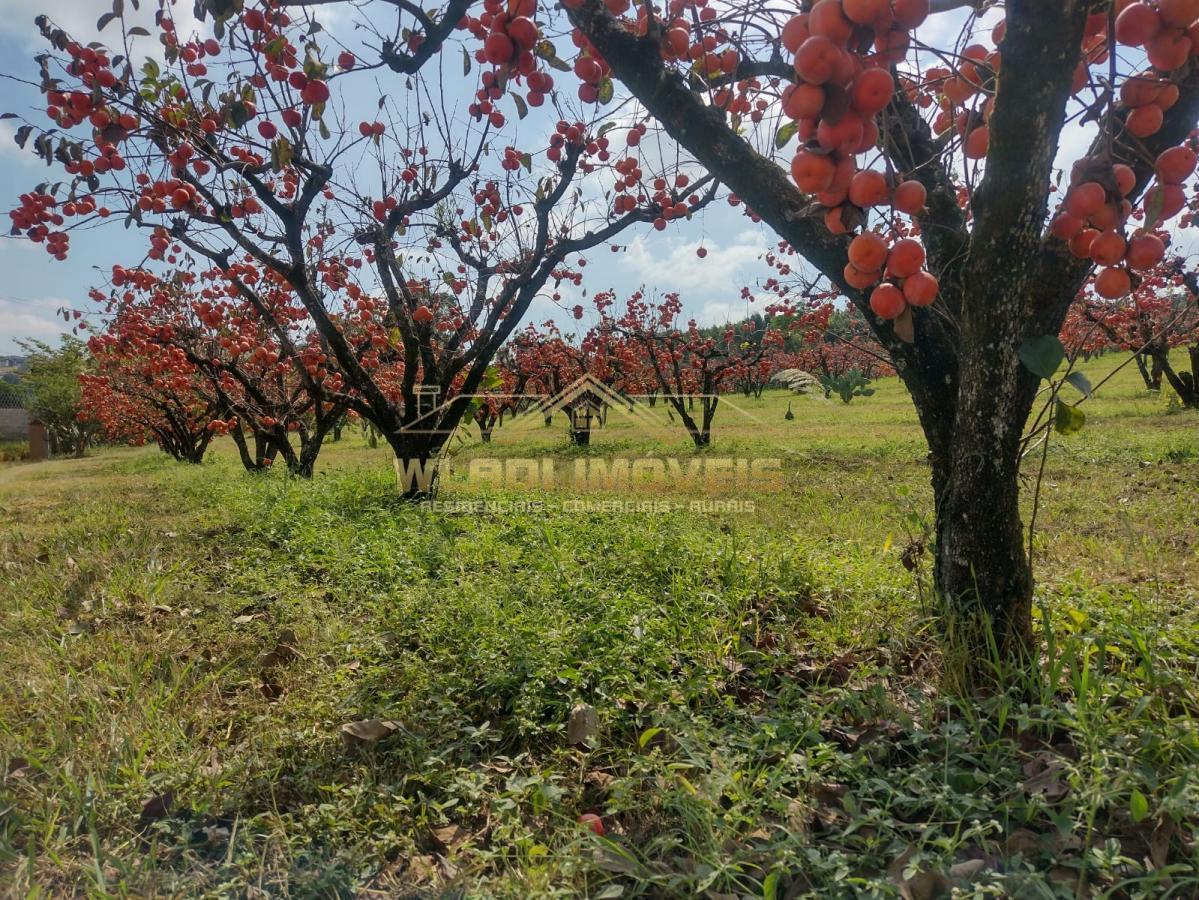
(184, 648)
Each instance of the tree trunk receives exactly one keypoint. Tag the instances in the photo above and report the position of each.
(1155, 374)
(1190, 380)
(243, 451)
(197, 448)
(309, 450)
(416, 463)
(1143, 369)
(710, 402)
(981, 572)
(417, 476)
(1183, 383)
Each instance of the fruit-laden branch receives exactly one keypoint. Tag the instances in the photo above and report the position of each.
(1059, 273)
(519, 294)
(428, 41)
(764, 186)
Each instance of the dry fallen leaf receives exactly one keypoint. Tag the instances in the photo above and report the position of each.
(270, 688)
(422, 868)
(158, 806)
(925, 884)
(966, 871)
(18, 768)
(1047, 776)
(367, 731)
(450, 836)
(285, 651)
(583, 726)
(598, 779)
(1023, 842)
(1159, 842)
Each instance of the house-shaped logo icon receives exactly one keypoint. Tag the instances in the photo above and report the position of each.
(590, 395)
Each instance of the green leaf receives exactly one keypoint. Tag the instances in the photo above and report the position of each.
(521, 109)
(648, 735)
(770, 886)
(281, 154)
(1081, 383)
(238, 114)
(606, 90)
(1155, 203)
(527, 161)
(1042, 355)
(1068, 419)
(465, 62)
(784, 134)
(1138, 806)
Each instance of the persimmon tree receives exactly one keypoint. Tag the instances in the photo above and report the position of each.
(500, 396)
(1162, 313)
(688, 367)
(425, 230)
(836, 347)
(548, 362)
(246, 343)
(919, 180)
(136, 396)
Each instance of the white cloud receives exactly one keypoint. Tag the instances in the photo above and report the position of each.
(722, 313)
(9, 149)
(22, 318)
(79, 18)
(673, 264)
